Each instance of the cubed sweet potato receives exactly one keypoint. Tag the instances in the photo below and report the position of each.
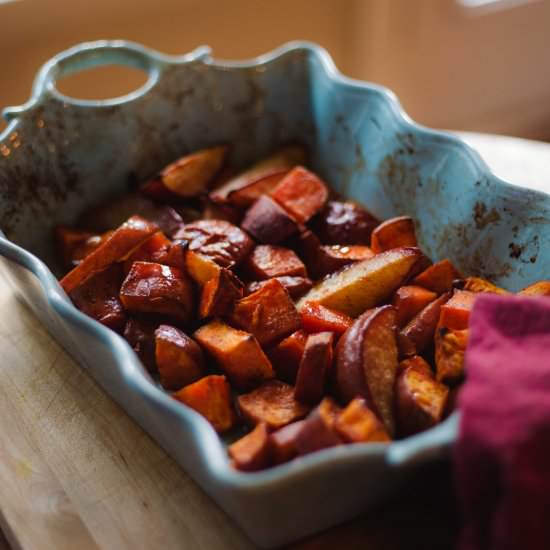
(420, 402)
(393, 233)
(358, 424)
(477, 284)
(267, 261)
(317, 431)
(156, 288)
(540, 288)
(287, 354)
(420, 330)
(179, 358)
(308, 247)
(269, 313)
(97, 297)
(273, 403)
(237, 353)
(455, 314)
(417, 363)
(333, 257)
(86, 247)
(301, 193)
(219, 294)
(188, 176)
(140, 334)
(410, 300)
(283, 442)
(67, 240)
(223, 242)
(438, 277)
(450, 346)
(211, 397)
(252, 452)
(268, 222)
(315, 368)
(200, 268)
(116, 248)
(262, 185)
(154, 249)
(175, 255)
(318, 318)
(344, 223)
(295, 286)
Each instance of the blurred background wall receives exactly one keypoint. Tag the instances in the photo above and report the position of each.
(462, 64)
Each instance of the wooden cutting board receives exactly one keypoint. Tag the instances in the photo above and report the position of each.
(77, 472)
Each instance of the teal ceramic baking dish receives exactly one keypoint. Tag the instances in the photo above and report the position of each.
(59, 156)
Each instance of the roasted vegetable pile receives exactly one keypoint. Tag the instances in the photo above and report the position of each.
(259, 298)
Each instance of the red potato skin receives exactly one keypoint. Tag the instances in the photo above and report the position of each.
(178, 358)
(307, 246)
(117, 247)
(393, 233)
(140, 334)
(97, 297)
(295, 286)
(160, 289)
(318, 318)
(317, 432)
(287, 354)
(315, 368)
(438, 277)
(301, 193)
(410, 300)
(283, 442)
(268, 222)
(268, 261)
(253, 451)
(334, 257)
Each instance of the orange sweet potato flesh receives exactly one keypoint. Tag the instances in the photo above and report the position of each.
(540, 288)
(154, 249)
(315, 368)
(188, 176)
(393, 233)
(477, 284)
(199, 267)
(420, 402)
(450, 346)
(318, 318)
(67, 240)
(273, 404)
(301, 193)
(219, 294)
(253, 451)
(98, 297)
(295, 286)
(269, 313)
(455, 314)
(117, 247)
(178, 358)
(267, 261)
(317, 432)
(287, 354)
(418, 363)
(211, 397)
(438, 277)
(409, 300)
(161, 289)
(224, 243)
(358, 424)
(264, 184)
(237, 353)
(87, 247)
(268, 222)
(283, 442)
(333, 257)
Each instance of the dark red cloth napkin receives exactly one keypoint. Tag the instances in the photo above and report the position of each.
(501, 461)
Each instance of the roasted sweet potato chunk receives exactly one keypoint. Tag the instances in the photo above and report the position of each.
(273, 404)
(318, 318)
(410, 300)
(540, 288)
(86, 247)
(283, 442)
(188, 176)
(156, 288)
(140, 334)
(333, 257)
(295, 286)
(301, 193)
(262, 185)
(308, 247)
(363, 285)
(438, 277)
(393, 233)
(200, 268)
(418, 363)
(237, 353)
(344, 223)
(315, 368)
(267, 261)
(219, 294)
(420, 402)
(455, 314)
(477, 284)
(179, 358)
(317, 432)
(450, 346)
(268, 222)
(287, 354)
(117, 247)
(221, 241)
(67, 240)
(253, 451)
(211, 397)
(154, 249)
(269, 313)
(97, 297)
(358, 424)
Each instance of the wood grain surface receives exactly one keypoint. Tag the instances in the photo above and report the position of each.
(77, 473)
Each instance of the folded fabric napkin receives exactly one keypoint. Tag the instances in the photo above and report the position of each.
(502, 458)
